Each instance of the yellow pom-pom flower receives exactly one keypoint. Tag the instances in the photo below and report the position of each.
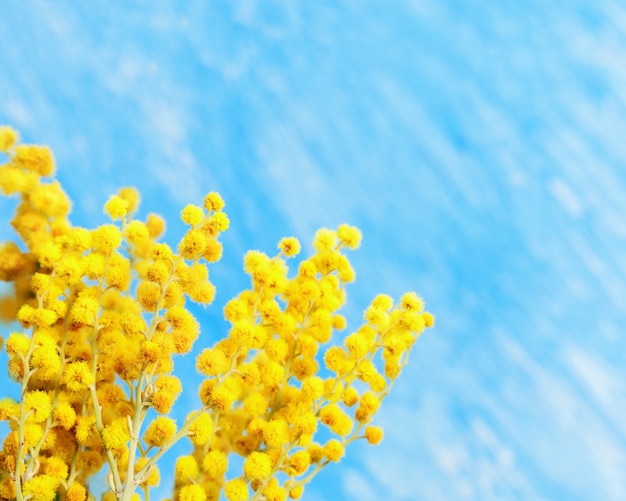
(186, 469)
(350, 236)
(373, 434)
(192, 215)
(160, 431)
(201, 430)
(192, 492)
(116, 207)
(8, 137)
(213, 202)
(236, 490)
(39, 404)
(289, 246)
(257, 466)
(37, 159)
(215, 464)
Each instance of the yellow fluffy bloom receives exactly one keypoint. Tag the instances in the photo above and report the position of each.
(148, 294)
(350, 236)
(257, 466)
(218, 223)
(325, 239)
(276, 433)
(186, 469)
(41, 488)
(255, 404)
(300, 461)
(296, 492)
(84, 428)
(411, 301)
(336, 419)
(273, 491)
(136, 232)
(374, 434)
(106, 238)
(116, 207)
(192, 215)
(8, 137)
(192, 244)
(192, 492)
(289, 246)
(77, 376)
(160, 431)
(306, 424)
(131, 196)
(236, 490)
(76, 492)
(116, 436)
(155, 225)
(168, 389)
(65, 415)
(334, 450)
(36, 159)
(272, 374)
(201, 430)
(215, 464)
(84, 310)
(50, 200)
(8, 408)
(57, 467)
(350, 396)
(213, 202)
(212, 362)
(17, 344)
(39, 403)
(222, 399)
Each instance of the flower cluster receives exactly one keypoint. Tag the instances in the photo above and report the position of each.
(104, 313)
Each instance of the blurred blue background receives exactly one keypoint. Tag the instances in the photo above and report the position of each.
(481, 148)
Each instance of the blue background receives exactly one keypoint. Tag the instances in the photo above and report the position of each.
(479, 145)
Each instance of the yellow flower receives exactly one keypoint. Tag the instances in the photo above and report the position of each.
(160, 431)
(76, 492)
(296, 492)
(334, 450)
(201, 430)
(336, 419)
(8, 408)
(192, 492)
(65, 415)
(106, 238)
(236, 490)
(213, 202)
(17, 344)
(8, 137)
(116, 436)
(325, 239)
(276, 433)
(116, 207)
(212, 362)
(300, 461)
(373, 434)
(186, 469)
(39, 403)
(289, 246)
(215, 464)
(257, 466)
(77, 376)
(411, 301)
(192, 215)
(36, 159)
(41, 488)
